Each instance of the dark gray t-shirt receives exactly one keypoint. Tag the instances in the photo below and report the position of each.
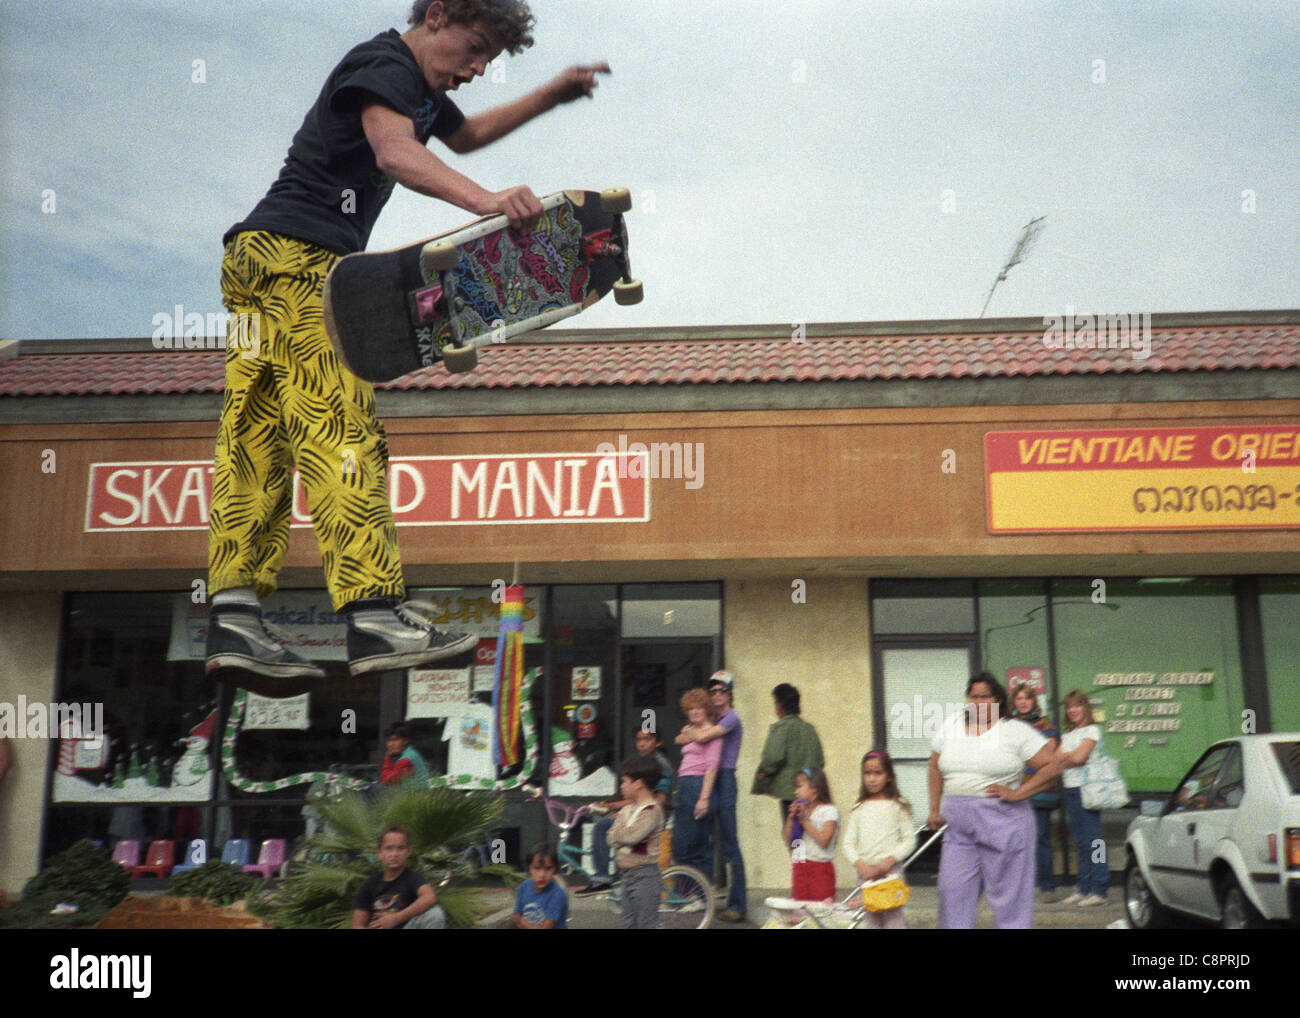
(330, 190)
(379, 896)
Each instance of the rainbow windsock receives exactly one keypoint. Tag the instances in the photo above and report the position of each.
(508, 677)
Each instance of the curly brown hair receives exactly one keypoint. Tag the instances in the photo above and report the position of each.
(511, 21)
(699, 697)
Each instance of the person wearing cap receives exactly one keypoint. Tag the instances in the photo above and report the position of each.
(729, 729)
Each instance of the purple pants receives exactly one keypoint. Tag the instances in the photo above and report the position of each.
(988, 848)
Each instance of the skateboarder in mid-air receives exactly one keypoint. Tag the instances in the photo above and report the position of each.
(287, 400)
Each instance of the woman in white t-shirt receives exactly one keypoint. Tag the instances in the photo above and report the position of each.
(1080, 735)
(977, 762)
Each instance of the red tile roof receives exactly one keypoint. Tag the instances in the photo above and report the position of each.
(709, 361)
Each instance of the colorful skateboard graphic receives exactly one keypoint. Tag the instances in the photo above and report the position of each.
(388, 313)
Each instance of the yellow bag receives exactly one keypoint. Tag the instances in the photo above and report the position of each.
(884, 895)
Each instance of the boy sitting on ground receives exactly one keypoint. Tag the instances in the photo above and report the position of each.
(397, 898)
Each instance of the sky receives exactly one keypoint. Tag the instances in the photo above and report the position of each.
(790, 163)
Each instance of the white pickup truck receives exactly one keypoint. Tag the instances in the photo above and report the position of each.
(1225, 846)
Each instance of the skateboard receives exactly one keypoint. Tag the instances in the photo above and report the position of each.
(389, 313)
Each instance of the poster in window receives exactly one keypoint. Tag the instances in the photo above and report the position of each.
(586, 683)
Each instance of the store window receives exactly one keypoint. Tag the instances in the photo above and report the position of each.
(1159, 658)
(583, 720)
(1279, 610)
(618, 659)
(141, 765)
(913, 607)
(1014, 644)
(623, 656)
(1160, 662)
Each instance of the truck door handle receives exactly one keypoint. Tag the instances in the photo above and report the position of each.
(1191, 829)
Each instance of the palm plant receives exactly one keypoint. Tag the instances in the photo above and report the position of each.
(442, 823)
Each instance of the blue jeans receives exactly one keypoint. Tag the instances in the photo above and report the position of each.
(691, 837)
(724, 790)
(1045, 871)
(1085, 825)
(600, 850)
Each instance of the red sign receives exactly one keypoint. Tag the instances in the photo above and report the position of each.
(1033, 677)
(485, 653)
(425, 491)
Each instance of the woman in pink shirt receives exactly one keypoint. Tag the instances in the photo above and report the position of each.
(693, 809)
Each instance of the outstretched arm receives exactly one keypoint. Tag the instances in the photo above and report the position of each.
(485, 128)
(400, 155)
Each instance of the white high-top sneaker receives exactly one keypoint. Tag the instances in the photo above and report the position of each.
(249, 652)
(383, 636)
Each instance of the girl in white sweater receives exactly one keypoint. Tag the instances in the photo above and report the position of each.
(879, 834)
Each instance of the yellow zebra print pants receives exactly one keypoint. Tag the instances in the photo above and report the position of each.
(287, 402)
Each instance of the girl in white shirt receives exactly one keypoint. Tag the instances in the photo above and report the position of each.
(1081, 735)
(814, 850)
(878, 835)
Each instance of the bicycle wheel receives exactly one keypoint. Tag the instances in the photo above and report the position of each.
(687, 902)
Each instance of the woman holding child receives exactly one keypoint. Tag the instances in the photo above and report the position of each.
(694, 809)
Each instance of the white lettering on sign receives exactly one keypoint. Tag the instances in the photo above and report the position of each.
(424, 491)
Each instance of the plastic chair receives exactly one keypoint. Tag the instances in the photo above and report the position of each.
(195, 856)
(158, 861)
(237, 851)
(127, 853)
(270, 858)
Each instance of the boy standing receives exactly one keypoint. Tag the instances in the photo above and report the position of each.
(635, 836)
(287, 400)
(647, 744)
(396, 898)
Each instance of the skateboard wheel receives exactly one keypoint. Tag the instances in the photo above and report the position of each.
(628, 293)
(439, 256)
(615, 200)
(459, 359)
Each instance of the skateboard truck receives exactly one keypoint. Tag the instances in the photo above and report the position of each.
(616, 201)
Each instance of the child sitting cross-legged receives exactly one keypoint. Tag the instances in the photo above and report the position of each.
(396, 898)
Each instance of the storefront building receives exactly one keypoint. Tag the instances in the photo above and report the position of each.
(870, 512)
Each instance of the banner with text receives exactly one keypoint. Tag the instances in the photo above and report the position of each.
(1224, 478)
(425, 491)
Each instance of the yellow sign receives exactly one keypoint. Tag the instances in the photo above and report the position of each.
(1229, 478)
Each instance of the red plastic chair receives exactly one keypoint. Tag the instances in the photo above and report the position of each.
(158, 861)
(127, 854)
(270, 858)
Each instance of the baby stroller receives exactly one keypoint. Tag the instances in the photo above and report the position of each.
(849, 912)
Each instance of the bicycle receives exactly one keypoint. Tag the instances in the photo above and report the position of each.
(687, 902)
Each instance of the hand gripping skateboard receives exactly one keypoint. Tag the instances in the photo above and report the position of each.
(392, 312)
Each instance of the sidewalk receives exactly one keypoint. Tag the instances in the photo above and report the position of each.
(594, 912)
